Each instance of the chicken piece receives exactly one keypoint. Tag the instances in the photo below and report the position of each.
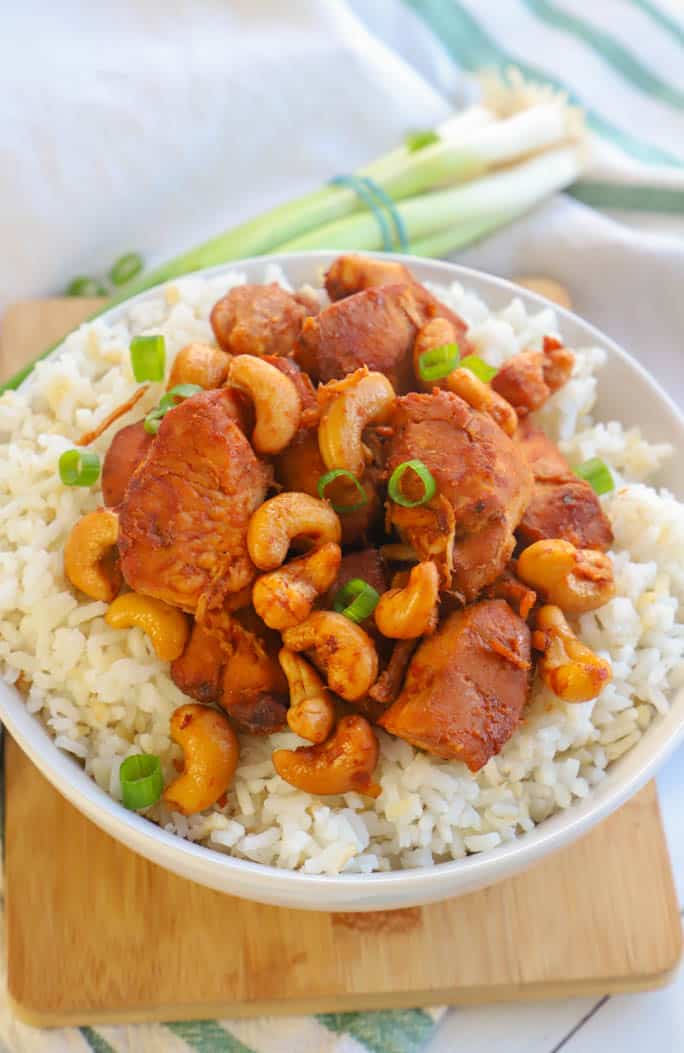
(517, 595)
(562, 505)
(183, 519)
(127, 450)
(388, 685)
(257, 320)
(466, 686)
(299, 468)
(375, 327)
(483, 486)
(254, 690)
(199, 669)
(528, 379)
(350, 274)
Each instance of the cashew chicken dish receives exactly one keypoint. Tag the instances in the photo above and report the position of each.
(339, 578)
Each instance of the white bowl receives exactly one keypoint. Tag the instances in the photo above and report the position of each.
(626, 392)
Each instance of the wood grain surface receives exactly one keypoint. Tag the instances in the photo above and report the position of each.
(98, 934)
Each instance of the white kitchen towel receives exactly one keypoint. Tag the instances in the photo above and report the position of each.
(150, 126)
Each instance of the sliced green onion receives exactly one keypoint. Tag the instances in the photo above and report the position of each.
(167, 402)
(356, 600)
(177, 394)
(141, 780)
(597, 473)
(126, 268)
(341, 473)
(148, 357)
(438, 362)
(479, 367)
(425, 476)
(79, 467)
(420, 139)
(152, 421)
(83, 286)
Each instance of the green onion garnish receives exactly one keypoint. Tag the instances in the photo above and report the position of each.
(438, 362)
(125, 268)
(83, 286)
(167, 402)
(341, 473)
(417, 140)
(356, 600)
(152, 421)
(148, 357)
(425, 476)
(141, 780)
(479, 367)
(597, 473)
(79, 467)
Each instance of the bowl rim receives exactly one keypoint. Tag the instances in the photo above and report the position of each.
(65, 772)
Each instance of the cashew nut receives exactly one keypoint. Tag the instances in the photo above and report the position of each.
(277, 405)
(277, 522)
(210, 752)
(574, 579)
(312, 711)
(567, 666)
(342, 764)
(199, 364)
(341, 648)
(90, 561)
(435, 333)
(166, 626)
(411, 611)
(285, 596)
(348, 406)
(483, 398)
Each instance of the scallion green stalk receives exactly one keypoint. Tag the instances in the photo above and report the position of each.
(511, 191)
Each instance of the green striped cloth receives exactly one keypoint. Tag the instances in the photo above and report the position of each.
(622, 60)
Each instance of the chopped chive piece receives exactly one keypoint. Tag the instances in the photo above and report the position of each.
(141, 780)
(425, 476)
(356, 600)
(83, 286)
(167, 402)
(482, 370)
(341, 473)
(152, 421)
(148, 357)
(178, 394)
(125, 268)
(79, 467)
(438, 362)
(597, 473)
(418, 140)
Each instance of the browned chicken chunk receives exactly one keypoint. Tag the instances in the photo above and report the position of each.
(483, 486)
(526, 380)
(562, 505)
(127, 450)
(257, 320)
(375, 327)
(183, 519)
(509, 588)
(350, 274)
(466, 686)
(198, 670)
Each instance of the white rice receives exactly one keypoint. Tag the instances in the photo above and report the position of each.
(104, 695)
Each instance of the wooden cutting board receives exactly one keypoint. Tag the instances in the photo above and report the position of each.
(97, 934)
